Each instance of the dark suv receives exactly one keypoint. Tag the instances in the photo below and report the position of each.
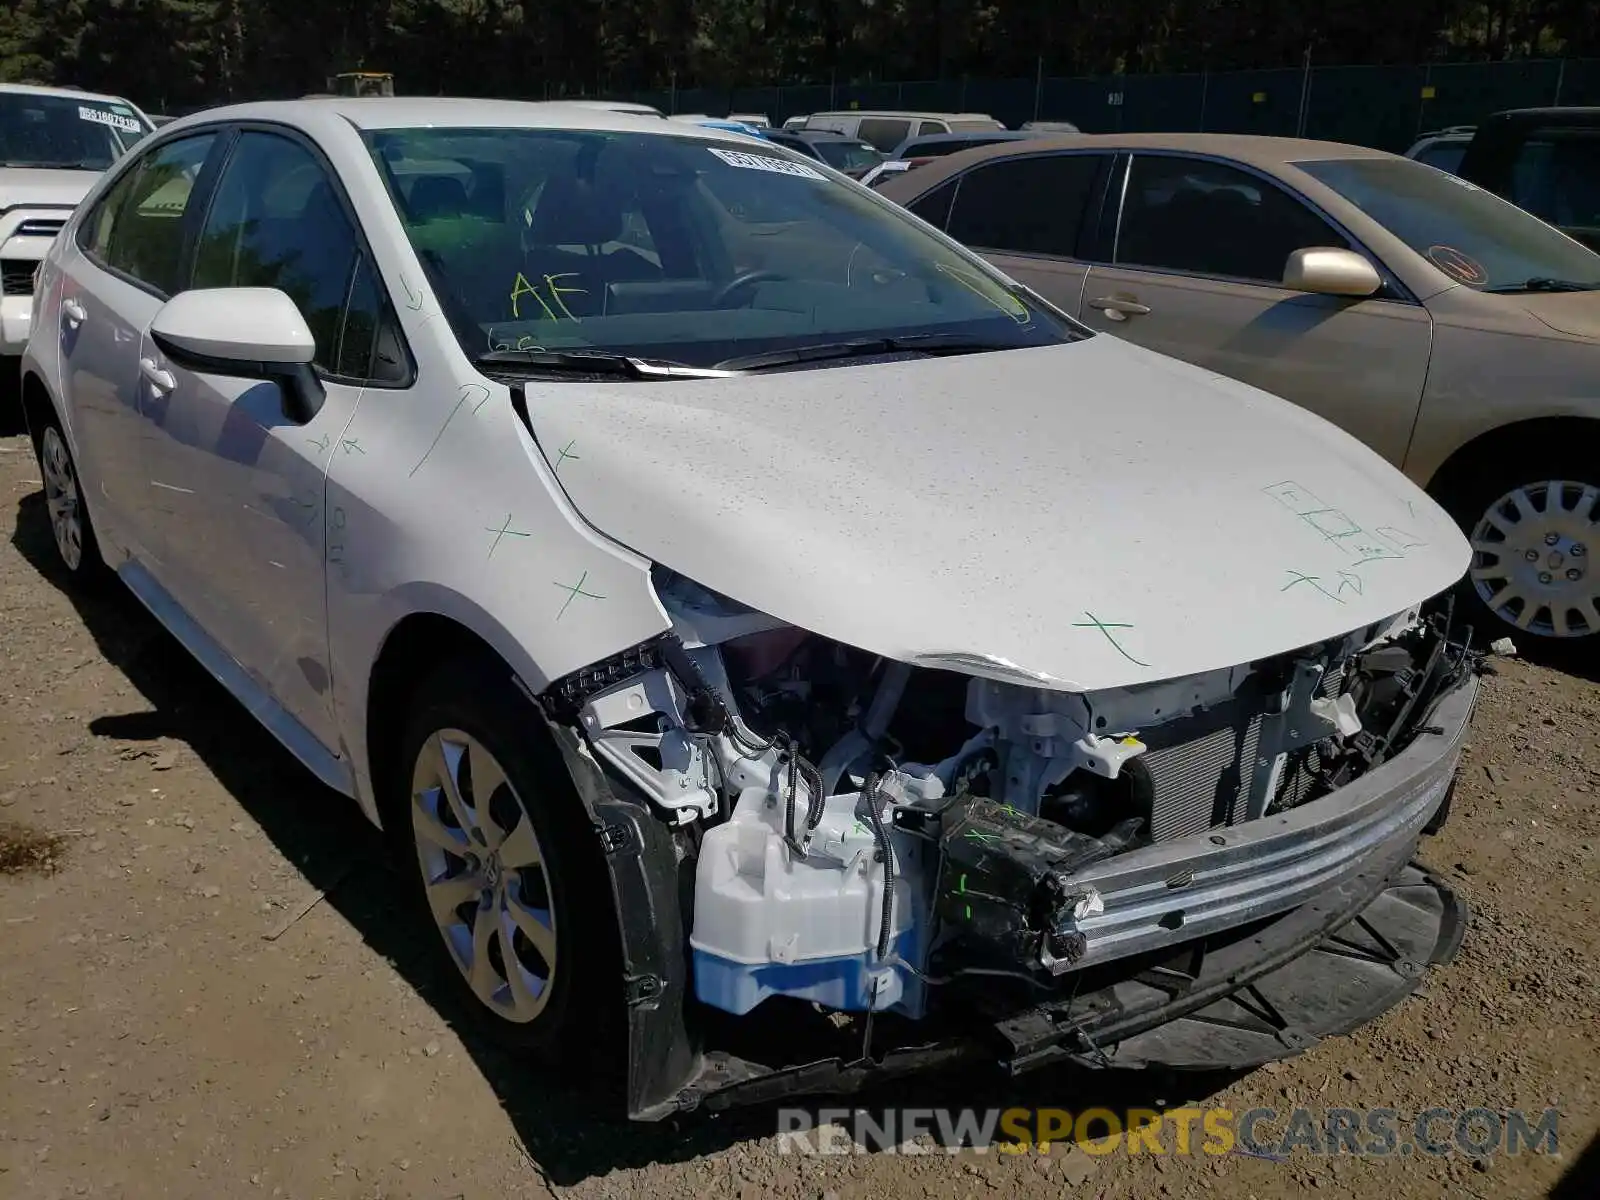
(1545, 160)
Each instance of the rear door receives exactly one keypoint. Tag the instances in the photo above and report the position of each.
(129, 253)
(1196, 259)
(1030, 215)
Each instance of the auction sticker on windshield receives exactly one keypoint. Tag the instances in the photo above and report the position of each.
(1458, 266)
(760, 162)
(101, 117)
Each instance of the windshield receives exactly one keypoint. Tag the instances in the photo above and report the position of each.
(677, 248)
(1471, 235)
(844, 155)
(65, 132)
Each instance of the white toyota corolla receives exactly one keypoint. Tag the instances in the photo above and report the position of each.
(740, 603)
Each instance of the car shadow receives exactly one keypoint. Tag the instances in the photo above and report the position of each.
(11, 418)
(568, 1134)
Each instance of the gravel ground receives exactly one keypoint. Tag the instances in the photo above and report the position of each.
(204, 991)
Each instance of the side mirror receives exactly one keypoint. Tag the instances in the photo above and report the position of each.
(1331, 271)
(246, 333)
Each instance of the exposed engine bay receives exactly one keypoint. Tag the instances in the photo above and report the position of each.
(867, 830)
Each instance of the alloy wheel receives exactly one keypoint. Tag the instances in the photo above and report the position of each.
(1532, 553)
(61, 497)
(484, 873)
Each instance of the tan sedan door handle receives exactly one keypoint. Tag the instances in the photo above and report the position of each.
(1119, 308)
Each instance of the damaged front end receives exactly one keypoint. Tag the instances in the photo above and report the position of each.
(987, 865)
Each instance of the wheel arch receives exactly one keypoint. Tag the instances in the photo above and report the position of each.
(641, 854)
(38, 406)
(1510, 441)
(413, 647)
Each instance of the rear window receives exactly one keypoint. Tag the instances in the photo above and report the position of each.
(65, 132)
(883, 132)
(1557, 177)
(973, 126)
(1446, 156)
(943, 146)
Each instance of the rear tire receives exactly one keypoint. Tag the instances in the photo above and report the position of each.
(77, 549)
(502, 864)
(1534, 525)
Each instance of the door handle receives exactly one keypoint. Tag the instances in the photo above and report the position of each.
(1120, 308)
(73, 312)
(161, 380)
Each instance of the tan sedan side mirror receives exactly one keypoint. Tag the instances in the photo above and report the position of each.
(1331, 271)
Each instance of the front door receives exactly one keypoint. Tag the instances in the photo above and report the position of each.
(249, 524)
(1198, 260)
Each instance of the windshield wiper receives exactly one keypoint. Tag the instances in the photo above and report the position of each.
(920, 343)
(1541, 283)
(599, 362)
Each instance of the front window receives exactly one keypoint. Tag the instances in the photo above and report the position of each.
(65, 132)
(680, 248)
(1471, 235)
(847, 156)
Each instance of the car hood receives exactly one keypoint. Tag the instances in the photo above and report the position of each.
(1575, 313)
(1089, 515)
(28, 186)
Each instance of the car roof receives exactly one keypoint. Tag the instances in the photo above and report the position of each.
(824, 135)
(973, 135)
(1268, 153)
(909, 113)
(1575, 113)
(411, 112)
(33, 89)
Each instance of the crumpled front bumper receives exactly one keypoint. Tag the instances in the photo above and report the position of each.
(1192, 928)
(1193, 886)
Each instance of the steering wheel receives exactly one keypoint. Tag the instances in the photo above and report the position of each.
(739, 282)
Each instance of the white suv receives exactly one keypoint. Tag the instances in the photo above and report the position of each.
(54, 143)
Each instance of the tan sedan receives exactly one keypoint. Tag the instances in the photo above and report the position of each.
(1452, 332)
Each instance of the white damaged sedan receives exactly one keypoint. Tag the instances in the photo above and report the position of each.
(745, 610)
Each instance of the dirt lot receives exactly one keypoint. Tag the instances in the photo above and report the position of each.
(175, 1021)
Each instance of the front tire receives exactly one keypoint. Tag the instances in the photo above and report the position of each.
(1535, 534)
(500, 861)
(77, 549)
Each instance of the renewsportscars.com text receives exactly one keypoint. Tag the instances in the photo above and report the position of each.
(1260, 1132)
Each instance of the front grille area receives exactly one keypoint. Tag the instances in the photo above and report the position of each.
(16, 276)
(1201, 766)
